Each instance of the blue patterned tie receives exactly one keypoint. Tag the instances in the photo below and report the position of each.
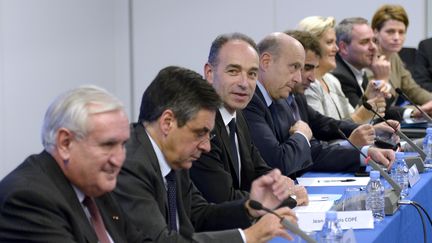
(294, 108)
(172, 202)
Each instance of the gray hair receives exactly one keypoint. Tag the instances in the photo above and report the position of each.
(72, 109)
(344, 28)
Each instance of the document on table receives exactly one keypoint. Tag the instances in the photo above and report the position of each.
(333, 181)
(318, 203)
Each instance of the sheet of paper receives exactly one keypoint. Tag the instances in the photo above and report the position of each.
(333, 181)
(318, 203)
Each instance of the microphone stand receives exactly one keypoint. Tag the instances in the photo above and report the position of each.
(428, 118)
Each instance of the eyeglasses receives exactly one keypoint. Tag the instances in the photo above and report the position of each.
(202, 135)
(207, 139)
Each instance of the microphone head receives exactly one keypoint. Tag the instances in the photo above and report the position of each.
(367, 105)
(255, 205)
(399, 91)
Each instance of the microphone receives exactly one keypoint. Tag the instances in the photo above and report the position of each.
(428, 118)
(398, 132)
(285, 223)
(391, 197)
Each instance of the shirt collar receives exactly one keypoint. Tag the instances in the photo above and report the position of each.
(226, 116)
(266, 95)
(357, 73)
(163, 164)
(78, 193)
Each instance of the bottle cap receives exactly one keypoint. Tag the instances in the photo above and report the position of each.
(374, 174)
(331, 215)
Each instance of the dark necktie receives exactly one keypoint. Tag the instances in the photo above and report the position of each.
(232, 130)
(172, 200)
(96, 220)
(365, 82)
(294, 108)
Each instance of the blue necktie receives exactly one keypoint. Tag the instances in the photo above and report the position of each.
(232, 130)
(172, 202)
(294, 108)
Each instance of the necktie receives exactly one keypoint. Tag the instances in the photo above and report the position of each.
(232, 130)
(365, 82)
(294, 108)
(172, 200)
(96, 220)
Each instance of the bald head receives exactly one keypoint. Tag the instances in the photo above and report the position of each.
(281, 60)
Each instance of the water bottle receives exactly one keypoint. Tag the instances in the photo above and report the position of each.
(375, 196)
(331, 231)
(427, 145)
(399, 173)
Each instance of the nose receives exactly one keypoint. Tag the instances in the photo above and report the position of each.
(205, 146)
(297, 76)
(118, 155)
(243, 79)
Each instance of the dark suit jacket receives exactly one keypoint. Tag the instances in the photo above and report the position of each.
(217, 165)
(291, 153)
(422, 73)
(353, 92)
(141, 192)
(38, 204)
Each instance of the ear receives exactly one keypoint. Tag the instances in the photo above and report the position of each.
(64, 139)
(167, 121)
(265, 60)
(343, 48)
(208, 72)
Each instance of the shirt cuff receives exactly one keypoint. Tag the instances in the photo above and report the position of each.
(407, 113)
(345, 143)
(243, 236)
(307, 140)
(364, 150)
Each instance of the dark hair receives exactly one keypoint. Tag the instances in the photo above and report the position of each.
(387, 12)
(222, 40)
(344, 28)
(309, 42)
(181, 90)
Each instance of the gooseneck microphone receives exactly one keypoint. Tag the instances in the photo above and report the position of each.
(285, 223)
(398, 132)
(391, 197)
(399, 91)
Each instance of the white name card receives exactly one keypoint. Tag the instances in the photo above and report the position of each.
(313, 221)
(413, 175)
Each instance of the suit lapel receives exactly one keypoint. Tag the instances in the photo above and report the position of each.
(223, 134)
(65, 188)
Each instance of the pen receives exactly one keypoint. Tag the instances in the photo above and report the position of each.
(344, 180)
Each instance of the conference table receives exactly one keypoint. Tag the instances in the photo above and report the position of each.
(404, 226)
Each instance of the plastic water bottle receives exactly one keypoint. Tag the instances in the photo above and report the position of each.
(331, 231)
(427, 145)
(375, 196)
(399, 173)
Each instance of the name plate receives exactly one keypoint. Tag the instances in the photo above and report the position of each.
(413, 175)
(313, 221)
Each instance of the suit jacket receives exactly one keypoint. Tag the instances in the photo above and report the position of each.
(142, 193)
(291, 153)
(38, 204)
(353, 92)
(218, 165)
(422, 72)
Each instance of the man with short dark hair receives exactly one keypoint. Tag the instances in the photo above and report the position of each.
(177, 114)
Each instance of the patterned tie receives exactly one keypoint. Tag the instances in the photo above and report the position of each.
(232, 131)
(172, 200)
(96, 220)
(365, 81)
(294, 108)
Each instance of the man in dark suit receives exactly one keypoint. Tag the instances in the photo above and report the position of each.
(283, 139)
(423, 64)
(177, 114)
(50, 196)
(357, 51)
(235, 54)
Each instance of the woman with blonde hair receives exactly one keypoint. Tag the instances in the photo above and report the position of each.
(326, 95)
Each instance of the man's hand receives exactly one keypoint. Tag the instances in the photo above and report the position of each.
(385, 157)
(427, 107)
(380, 68)
(301, 194)
(269, 226)
(378, 104)
(302, 127)
(362, 135)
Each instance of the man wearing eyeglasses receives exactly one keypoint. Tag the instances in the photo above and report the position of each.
(177, 113)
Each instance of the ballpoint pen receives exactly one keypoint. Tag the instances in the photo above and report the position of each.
(344, 180)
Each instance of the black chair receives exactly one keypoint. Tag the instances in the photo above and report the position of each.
(408, 55)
